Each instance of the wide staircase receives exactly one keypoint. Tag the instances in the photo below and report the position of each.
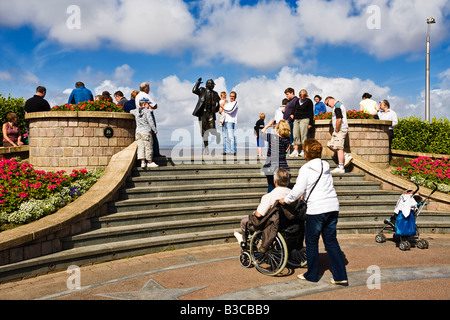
(185, 205)
(178, 206)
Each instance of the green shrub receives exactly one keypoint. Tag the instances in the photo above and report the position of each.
(15, 105)
(413, 134)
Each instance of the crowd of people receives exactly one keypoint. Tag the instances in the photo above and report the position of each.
(299, 113)
(140, 105)
(292, 122)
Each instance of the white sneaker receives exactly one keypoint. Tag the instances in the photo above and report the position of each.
(239, 236)
(152, 165)
(294, 154)
(347, 159)
(143, 164)
(302, 154)
(338, 170)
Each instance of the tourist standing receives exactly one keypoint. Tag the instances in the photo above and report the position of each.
(131, 104)
(385, 113)
(120, 99)
(320, 107)
(368, 105)
(37, 103)
(340, 130)
(144, 93)
(276, 154)
(144, 126)
(230, 109)
(303, 121)
(259, 125)
(289, 109)
(80, 94)
(321, 215)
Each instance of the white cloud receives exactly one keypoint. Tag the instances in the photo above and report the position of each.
(268, 34)
(261, 36)
(130, 25)
(402, 24)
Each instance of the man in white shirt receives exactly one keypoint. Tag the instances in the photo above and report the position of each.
(385, 113)
(231, 110)
(268, 201)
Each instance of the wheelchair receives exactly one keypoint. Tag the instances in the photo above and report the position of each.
(285, 249)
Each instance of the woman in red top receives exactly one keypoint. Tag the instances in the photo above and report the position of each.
(11, 132)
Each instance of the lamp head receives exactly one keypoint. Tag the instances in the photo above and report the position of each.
(431, 20)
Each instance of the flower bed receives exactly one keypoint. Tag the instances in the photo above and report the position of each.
(351, 114)
(27, 195)
(424, 171)
(90, 106)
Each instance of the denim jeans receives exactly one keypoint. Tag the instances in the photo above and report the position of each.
(229, 140)
(324, 224)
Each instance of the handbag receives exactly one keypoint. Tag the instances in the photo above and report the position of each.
(302, 205)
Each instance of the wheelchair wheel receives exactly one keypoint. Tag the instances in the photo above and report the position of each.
(245, 259)
(273, 261)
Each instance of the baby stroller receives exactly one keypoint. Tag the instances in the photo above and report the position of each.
(276, 242)
(403, 222)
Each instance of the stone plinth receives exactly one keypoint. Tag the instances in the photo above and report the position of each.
(67, 140)
(367, 138)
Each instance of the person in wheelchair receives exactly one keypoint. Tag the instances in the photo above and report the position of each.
(265, 218)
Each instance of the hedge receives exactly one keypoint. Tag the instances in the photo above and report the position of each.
(413, 134)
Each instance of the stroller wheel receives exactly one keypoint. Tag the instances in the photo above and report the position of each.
(380, 238)
(404, 245)
(245, 259)
(422, 244)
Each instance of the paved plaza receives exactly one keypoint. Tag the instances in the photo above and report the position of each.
(375, 271)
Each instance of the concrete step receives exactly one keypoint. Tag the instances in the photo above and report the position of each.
(173, 214)
(111, 251)
(121, 232)
(345, 190)
(155, 229)
(222, 178)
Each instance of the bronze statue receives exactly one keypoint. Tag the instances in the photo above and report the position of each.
(206, 109)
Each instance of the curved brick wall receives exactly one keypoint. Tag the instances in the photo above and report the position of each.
(66, 140)
(367, 138)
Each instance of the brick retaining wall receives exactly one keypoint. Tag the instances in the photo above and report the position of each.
(367, 138)
(66, 140)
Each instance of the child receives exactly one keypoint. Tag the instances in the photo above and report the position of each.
(223, 101)
(280, 111)
(144, 125)
(258, 127)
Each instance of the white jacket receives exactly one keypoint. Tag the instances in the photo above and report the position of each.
(323, 198)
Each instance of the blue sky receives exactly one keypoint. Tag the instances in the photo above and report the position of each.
(341, 48)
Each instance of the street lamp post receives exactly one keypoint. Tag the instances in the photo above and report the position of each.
(430, 21)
